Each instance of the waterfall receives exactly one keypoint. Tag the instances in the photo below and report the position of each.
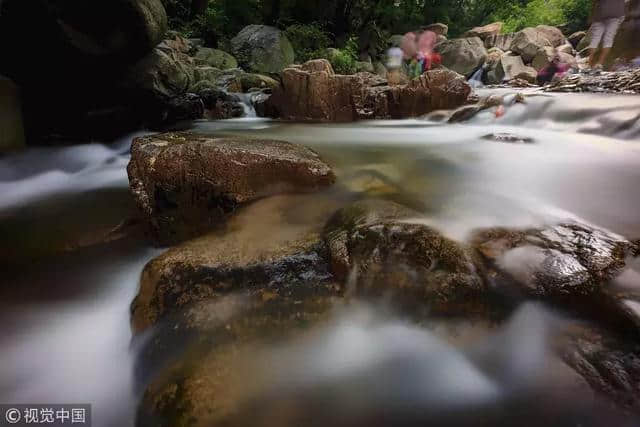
(246, 99)
(476, 79)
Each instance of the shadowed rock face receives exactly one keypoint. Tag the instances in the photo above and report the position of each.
(608, 362)
(382, 245)
(567, 259)
(313, 92)
(185, 184)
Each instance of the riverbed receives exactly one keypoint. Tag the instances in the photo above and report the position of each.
(69, 280)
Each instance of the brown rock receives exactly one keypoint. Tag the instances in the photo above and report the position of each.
(564, 260)
(263, 254)
(384, 247)
(314, 92)
(529, 41)
(501, 41)
(185, 184)
(438, 28)
(486, 31)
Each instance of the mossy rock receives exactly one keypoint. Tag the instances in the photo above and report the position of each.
(216, 58)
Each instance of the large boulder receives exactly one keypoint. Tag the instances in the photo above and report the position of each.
(262, 49)
(205, 383)
(529, 41)
(584, 42)
(215, 58)
(510, 67)
(545, 55)
(166, 72)
(485, 32)
(387, 247)
(76, 29)
(12, 135)
(87, 46)
(501, 41)
(576, 38)
(463, 56)
(560, 261)
(314, 92)
(185, 184)
(438, 28)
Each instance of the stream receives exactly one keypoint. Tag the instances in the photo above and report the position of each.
(65, 296)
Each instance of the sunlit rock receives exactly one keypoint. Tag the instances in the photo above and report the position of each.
(185, 184)
(314, 92)
(565, 260)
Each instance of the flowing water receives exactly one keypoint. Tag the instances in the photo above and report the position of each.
(64, 300)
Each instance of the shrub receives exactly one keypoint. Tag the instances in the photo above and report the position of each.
(344, 60)
(572, 13)
(309, 41)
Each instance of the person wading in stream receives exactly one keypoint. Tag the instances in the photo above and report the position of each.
(606, 15)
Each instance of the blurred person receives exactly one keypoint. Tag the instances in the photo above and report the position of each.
(555, 70)
(426, 55)
(606, 15)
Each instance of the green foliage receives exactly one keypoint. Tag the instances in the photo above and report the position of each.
(572, 13)
(344, 60)
(309, 41)
(371, 21)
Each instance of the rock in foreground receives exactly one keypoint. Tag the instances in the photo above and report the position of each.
(273, 250)
(384, 246)
(568, 259)
(185, 183)
(313, 92)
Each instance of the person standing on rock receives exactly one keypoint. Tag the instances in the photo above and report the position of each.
(606, 15)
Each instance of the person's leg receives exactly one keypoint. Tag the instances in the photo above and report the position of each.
(609, 36)
(596, 32)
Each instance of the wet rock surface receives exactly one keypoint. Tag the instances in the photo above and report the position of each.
(382, 245)
(565, 260)
(509, 138)
(207, 383)
(313, 92)
(608, 361)
(278, 254)
(185, 184)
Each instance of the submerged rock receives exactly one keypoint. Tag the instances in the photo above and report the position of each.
(610, 363)
(383, 246)
(272, 249)
(314, 92)
(208, 383)
(564, 260)
(510, 138)
(184, 183)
